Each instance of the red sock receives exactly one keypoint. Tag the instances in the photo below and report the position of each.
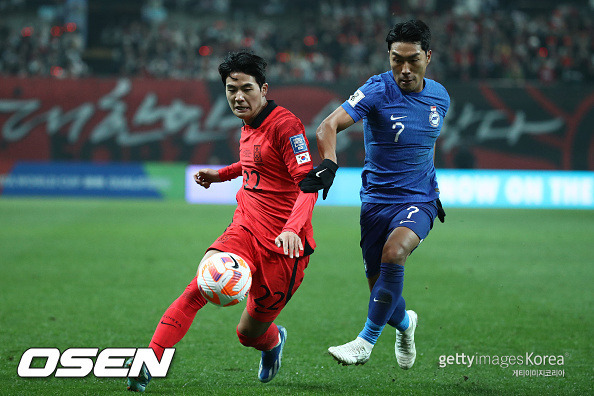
(265, 342)
(176, 321)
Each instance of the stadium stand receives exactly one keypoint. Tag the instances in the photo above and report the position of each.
(306, 41)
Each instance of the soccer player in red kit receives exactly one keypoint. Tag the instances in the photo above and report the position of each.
(271, 228)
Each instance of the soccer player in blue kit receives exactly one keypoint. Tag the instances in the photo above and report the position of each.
(402, 113)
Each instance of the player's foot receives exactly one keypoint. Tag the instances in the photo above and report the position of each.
(271, 360)
(138, 384)
(355, 352)
(406, 352)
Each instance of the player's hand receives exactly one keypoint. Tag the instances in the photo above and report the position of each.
(440, 212)
(206, 176)
(290, 242)
(319, 178)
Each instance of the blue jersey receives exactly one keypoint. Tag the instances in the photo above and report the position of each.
(400, 129)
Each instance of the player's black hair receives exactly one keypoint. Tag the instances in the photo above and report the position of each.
(412, 31)
(243, 62)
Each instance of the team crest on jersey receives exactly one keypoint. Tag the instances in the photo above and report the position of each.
(257, 153)
(303, 158)
(434, 117)
(298, 144)
(356, 98)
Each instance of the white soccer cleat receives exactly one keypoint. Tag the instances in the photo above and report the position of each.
(406, 352)
(355, 352)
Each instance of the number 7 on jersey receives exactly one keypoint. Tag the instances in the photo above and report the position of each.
(400, 127)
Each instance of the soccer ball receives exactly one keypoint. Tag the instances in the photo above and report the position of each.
(224, 279)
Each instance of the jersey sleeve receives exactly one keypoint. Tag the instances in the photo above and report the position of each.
(230, 172)
(359, 104)
(294, 148)
(302, 211)
(297, 157)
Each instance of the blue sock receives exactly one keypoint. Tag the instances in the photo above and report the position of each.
(371, 332)
(399, 318)
(384, 299)
(403, 325)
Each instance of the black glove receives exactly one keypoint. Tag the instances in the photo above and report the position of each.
(440, 211)
(320, 177)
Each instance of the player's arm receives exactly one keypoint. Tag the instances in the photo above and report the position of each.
(326, 133)
(303, 207)
(322, 176)
(302, 211)
(206, 176)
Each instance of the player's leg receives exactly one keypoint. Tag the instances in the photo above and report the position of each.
(396, 317)
(176, 320)
(374, 223)
(266, 337)
(385, 273)
(408, 234)
(386, 302)
(172, 327)
(385, 297)
(273, 285)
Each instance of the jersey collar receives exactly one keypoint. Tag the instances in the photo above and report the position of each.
(263, 114)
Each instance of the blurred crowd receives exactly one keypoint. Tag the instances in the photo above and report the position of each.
(41, 51)
(318, 41)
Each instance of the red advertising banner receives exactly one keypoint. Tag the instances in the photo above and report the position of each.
(488, 126)
(101, 119)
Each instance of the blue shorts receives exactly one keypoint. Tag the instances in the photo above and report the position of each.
(379, 220)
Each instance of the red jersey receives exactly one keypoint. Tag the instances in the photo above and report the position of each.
(274, 158)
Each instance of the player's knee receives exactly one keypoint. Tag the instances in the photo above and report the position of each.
(243, 339)
(262, 342)
(395, 253)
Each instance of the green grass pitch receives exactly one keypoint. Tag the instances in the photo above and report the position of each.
(91, 273)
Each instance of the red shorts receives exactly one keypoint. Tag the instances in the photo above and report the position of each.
(275, 277)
